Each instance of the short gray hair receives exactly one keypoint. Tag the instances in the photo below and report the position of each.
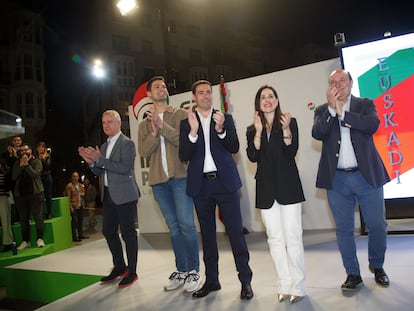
(114, 113)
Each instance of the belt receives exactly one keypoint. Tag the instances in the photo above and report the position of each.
(348, 170)
(211, 175)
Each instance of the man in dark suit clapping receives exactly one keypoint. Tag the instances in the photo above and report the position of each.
(208, 139)
(351, 171)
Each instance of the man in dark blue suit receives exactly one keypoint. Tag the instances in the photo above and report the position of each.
(208, 139)
(352, 171)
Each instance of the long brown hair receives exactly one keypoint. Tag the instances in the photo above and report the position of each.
(278, 111)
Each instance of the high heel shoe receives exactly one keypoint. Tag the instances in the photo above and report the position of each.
(282, 297)
(294, 299)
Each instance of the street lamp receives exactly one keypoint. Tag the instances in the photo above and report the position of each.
(126, 6)
(97, 69)
(92, 103)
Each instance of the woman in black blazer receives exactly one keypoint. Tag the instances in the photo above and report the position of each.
(272, 142)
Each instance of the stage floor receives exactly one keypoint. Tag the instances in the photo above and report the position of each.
(324, 274)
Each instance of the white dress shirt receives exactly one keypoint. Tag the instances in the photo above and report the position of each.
(347, 158)
(111, 143)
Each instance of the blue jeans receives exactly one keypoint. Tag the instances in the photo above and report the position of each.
(177, 209)
(347, 189)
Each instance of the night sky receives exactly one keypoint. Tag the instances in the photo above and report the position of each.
(293, 23)
(287, 24)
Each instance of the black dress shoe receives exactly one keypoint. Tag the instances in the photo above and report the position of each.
(128, 280)
(352, 282)
(246, 292)
(83, 237)
(76, 240)
(381, 278)
(115, 273)
(206, 289)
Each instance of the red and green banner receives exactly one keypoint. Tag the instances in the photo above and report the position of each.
(391, 84)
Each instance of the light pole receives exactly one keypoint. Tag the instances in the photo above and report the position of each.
(126, 7)
(92, 108)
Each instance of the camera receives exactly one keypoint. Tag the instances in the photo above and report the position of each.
(19, 153)
(49, 150)
(339, 39)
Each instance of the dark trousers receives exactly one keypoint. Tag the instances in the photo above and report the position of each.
(25, 205)
(77, 223)
(229, 204)
(122, 217)
(47, 182)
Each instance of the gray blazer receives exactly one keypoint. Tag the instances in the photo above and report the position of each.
(119, 167)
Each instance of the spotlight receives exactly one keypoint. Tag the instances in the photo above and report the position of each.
(339, 39)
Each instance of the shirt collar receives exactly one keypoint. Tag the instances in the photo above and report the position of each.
(114, 138)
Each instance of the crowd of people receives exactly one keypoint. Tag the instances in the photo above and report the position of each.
(26, 185)
(192, 168)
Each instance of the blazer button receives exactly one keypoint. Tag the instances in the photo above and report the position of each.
(337, 155)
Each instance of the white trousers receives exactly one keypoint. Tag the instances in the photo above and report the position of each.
(5, 216)
(284, 236)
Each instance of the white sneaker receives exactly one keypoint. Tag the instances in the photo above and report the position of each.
(23, 245)
(192, 282)
(176, 280)
(40, 243)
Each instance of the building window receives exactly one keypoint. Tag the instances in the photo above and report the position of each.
(19, 105)
(28, 67)
(124, 69)
(118, 68)
(194, 31)
(172, 26)
(172, 50)
(147, 21)
(219, 54)
(146, 47)
(27, 29)
(3, 103)
(131, 69)
(18, 72)
(38, 70)
(38, 33)
(40, 111)
(120, 42)
(29, 105)
(198, 73)
(195, 56)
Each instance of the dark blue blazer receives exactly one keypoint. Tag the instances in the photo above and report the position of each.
(363, 121)
(221, 150)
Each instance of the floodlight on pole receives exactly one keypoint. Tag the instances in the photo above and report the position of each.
(126, 6)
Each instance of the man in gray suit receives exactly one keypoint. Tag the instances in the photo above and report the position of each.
(114, 162)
